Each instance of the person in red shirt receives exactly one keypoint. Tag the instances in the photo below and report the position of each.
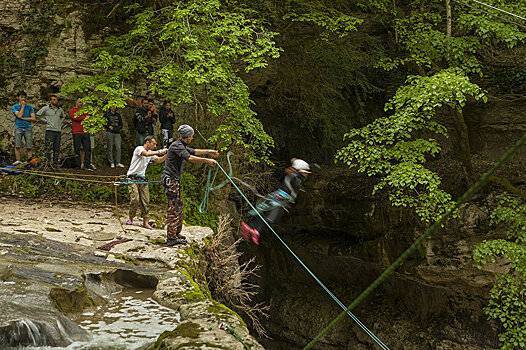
(81, 140)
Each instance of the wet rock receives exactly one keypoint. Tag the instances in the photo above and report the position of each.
(25, 332)
(50, 275)
(207, 327)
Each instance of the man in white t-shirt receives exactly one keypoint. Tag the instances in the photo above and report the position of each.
(139, 194)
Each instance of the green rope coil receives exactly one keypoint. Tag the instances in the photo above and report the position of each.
(203, 206)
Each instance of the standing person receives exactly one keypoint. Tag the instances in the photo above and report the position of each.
(143, 121)
(81, 140)
(167, 120)
(178, 153)
(151, 116)
(92, 150)
(113, 136)
(55, 118)
(139, 193)
(277, 202)
(24, 118)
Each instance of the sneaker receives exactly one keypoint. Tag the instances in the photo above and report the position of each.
(170, 242)
(17, 163)
(255, 236)
(148, 226)
(245, 230)
(88, 169)
(120, 165)
(112, 165)
(93, 167)
(129, 222)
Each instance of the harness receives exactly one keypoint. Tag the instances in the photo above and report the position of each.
(276, 199)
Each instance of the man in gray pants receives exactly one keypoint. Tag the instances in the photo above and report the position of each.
(113, 136)
(54, 116)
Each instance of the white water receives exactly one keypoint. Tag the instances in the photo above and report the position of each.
(128, 322)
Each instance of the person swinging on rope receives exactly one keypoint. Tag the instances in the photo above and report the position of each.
(274, 204)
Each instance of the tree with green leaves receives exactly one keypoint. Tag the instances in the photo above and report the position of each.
(441, 59)
(443, 53)
(507, 302)
(191, 53)
(388, 149)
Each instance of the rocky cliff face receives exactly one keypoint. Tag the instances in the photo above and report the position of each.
(436, 299)
(43, 45)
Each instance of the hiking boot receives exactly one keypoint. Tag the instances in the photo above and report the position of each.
(170, 242)
(245, 230)
(255, 236)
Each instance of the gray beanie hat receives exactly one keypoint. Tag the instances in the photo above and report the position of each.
(185, 130)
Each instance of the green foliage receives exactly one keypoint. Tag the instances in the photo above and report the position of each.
(427, 47)
(508, 305)
(393, 148)
(330, 20)
(324, 79)
(507, 302)
(489, 30)
(31, 186)
(191, 53)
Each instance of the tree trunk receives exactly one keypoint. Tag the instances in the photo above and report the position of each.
(448, 18)
(463, 140)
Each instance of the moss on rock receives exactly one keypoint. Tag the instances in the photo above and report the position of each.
(218, 309)
(71, 301)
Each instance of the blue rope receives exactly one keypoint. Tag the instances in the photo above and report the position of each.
(203, 206)
(309, 271)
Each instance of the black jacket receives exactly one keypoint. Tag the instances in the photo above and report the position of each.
(166, 118)
(143, 121)
(114, 122)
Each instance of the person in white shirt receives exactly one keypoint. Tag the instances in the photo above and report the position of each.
(139, 194)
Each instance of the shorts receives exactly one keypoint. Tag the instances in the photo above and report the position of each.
(27, 135)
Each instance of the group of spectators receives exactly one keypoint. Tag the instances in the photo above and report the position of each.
(173, 154)
(145, 117)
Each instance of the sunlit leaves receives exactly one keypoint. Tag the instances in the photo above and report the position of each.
(507, 302)
(425, 44)
(392, 149)
(488, 29)
(330, 20)
(190, 53)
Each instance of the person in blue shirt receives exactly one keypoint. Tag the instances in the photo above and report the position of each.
(24, 118)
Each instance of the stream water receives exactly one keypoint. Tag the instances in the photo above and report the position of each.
(130, 320)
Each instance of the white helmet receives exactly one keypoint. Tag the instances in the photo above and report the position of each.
(300, 165)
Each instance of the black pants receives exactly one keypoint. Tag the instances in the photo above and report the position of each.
(272, 216)
(52, 141)
(82, 141)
